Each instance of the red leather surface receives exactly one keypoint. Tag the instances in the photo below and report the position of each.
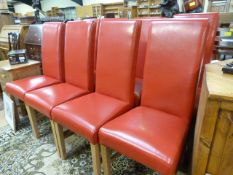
(151, 137)
(18, 88)
(146, 23)
(173, 59)
(85, 115)
(52, 59)
(213, 26)
(153, 133)
(116, 58)
(46, 98)
(79, 55)
(53, 49)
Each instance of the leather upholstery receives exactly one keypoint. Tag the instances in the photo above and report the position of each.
(177, 65)
(213, 26)
(116, 78)
(52, 57)
(151, 137)
(146, 23)
(79, 63)
(115, 75)
(44, 99)
(79, 52)
(53, 50)
(153, 133)
(85, 115)
(18, 88)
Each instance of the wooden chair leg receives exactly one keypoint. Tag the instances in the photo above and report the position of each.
(95, 152)
(33, 120)
(55, 138)
(60, 140)
(106, 159)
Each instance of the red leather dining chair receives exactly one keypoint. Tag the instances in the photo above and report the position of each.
(146, 23)
(78, 68)
(211, 35)
(153, 133)
(52, 56)
(114, 95)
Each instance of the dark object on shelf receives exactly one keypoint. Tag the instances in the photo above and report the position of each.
(169, 8)
(224, 43)
(228, 68)
(17, 56)
(33, 42)
(193, 6)
(4, 44)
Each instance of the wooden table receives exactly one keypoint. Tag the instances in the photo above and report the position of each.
(213, 142)
(15, 72)
(10, 73)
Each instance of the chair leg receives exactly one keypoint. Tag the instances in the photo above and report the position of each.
(55, 138)
(60, 140)
(95, 152)
(33, 120)
(106, 158)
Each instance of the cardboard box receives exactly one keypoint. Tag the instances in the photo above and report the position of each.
(3, 5)
(84, 11)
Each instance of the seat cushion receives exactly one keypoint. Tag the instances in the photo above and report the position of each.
(46, 98)
(18, 88)
(85, 115)
(149, 136)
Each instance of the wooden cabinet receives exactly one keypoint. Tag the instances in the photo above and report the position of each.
(15, 72)
(213, 142)
(148, 8)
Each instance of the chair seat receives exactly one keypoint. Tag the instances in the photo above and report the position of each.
(46, 98)
(149, 136)
(18, 88)
(85, 115)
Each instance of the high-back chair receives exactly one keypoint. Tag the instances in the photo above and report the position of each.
(78, 66)
(114, 95)
(211, 35)
(146, 23)
(153, 133)
(52, 59)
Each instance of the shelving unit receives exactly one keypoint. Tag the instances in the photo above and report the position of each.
(112, 8)
(148, 8)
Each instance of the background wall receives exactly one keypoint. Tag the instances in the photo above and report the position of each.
(47, 4)
(22, 8)
(87, 2)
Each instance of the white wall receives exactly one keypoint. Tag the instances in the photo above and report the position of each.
(87, 2)
(22, 8)
(47, 4)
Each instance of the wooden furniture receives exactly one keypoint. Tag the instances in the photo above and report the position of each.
(14, 72)
(85, 11)
(4, 46)
(213, 143)
(6, 19)
(148, 8)
(112, 8)
(128, 12)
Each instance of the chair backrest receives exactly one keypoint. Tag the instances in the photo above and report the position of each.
(213, 26)
(116, 58)
(53, 50)
(174, 52)
(79, 53)
(146, 23)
